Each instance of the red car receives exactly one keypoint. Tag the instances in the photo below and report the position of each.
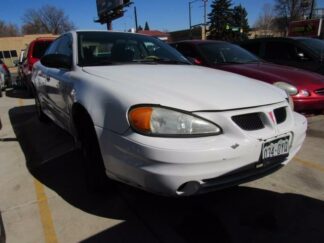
(33, 53)
(308, 87)
(5, 75)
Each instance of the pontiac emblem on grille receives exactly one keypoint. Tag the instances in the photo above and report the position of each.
(273, 118)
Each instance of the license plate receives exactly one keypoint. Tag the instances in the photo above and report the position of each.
(276, 147)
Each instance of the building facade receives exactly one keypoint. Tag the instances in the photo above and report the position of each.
(10, 47)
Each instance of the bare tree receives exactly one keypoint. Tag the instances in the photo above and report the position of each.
(290, 10)
(47, 19)
(7, 30)
(265, 22)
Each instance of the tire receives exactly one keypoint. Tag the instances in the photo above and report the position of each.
(40, 114)
(95, 176)
(30, 91)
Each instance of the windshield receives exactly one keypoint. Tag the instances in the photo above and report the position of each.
(315, 45)
(108, 48)
(225, 53)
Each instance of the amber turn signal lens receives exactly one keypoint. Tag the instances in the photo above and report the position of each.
(140, 118)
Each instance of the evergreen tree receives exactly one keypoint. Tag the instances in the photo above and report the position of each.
(221, 20)
(146, 26)
(140, 28)
(240, 21)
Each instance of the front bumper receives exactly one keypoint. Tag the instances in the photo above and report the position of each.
(185, 166)
(309, 104)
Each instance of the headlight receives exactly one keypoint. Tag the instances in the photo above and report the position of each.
(303, 93)
(290, 89)
(160, 121)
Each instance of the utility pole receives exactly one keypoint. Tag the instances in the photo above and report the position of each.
(205, 20)
(190, 33)
(109, 25)
(135, 15)
(312, 8)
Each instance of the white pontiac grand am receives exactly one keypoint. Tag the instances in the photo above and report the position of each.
(146, 117)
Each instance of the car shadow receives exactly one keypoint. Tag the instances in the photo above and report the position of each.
(239, 214)
(19, 93)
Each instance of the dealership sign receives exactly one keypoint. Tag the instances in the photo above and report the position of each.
(310, 28)
(105, 6)
(110, 9)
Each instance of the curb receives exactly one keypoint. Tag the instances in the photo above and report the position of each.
(2, 231)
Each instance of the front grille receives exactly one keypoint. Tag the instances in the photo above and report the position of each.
(320, 91)
(249, 122)
(280, 114)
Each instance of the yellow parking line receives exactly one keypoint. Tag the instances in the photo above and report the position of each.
(309, 164)
(21, 102)
(44, 210)
(45, 213)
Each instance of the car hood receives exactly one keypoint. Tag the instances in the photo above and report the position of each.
(185, 87)
(272, 73)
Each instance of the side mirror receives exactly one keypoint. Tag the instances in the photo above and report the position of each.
(57, 61)
(290, 89)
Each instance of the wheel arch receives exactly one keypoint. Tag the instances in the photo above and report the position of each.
(78, 111)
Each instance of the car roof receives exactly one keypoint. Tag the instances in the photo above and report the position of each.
(198, 42)
(106, 31)
(42, 39)
(277, 38)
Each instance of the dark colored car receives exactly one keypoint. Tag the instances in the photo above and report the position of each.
(307, 86)
(33, 53)
(300, 52)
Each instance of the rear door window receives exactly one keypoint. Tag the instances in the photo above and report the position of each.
(187, 50)
(252, 47)
(280, 50)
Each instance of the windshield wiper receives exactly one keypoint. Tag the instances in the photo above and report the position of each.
(233, 62)
(229, 62)
(98, 63)
(154, 59)
(255, 61)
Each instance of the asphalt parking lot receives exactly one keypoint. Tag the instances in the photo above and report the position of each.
(43, 196)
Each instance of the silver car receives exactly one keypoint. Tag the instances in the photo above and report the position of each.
(146, 117)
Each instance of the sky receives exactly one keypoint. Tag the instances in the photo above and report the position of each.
(164, 15)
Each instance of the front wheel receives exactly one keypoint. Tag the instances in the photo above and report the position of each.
(40, 114)
(96, 178)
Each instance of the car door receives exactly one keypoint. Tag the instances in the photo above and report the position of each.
(40, 73)
(58, 81)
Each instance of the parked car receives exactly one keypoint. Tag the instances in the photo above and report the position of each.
(5, 76)
(146, 117)
(18, 63)
(306, 88)
(2, 83)
(300, 52)
(33, 53)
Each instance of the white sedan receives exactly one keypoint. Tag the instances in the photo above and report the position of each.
(144, 116)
